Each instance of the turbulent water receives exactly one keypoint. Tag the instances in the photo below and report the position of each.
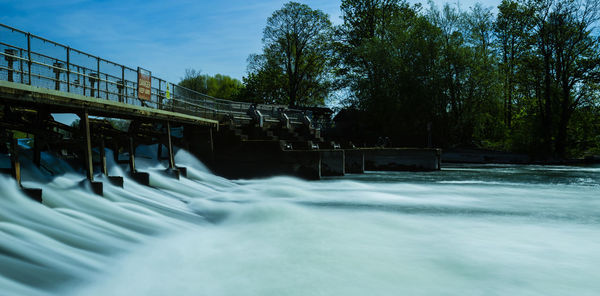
(467, 230)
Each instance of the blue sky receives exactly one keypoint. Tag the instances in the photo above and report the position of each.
(165, 37)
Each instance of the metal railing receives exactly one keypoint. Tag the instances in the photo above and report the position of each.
(29, 59)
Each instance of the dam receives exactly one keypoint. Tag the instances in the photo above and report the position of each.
(120, 107)
(169, 223)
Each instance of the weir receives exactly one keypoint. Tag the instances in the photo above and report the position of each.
(120, 108)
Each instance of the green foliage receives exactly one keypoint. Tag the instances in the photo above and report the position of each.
(526, 80)
(515, 81)
(294, 67)
(218, 86)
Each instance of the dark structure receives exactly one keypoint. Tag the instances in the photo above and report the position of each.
(236, 140)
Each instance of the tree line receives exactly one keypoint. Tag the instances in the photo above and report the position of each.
(524, 77)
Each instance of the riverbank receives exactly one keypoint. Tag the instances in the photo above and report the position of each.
(482, 156)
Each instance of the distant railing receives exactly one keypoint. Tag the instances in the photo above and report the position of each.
(33, 60)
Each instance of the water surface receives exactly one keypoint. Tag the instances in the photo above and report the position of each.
(466, 230)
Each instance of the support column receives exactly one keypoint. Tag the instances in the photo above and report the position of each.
(131, 155)
(170, 147)
(103, 157)
(15, 165)
(84, 124)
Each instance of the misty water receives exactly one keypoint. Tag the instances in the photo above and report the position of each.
(466, 230)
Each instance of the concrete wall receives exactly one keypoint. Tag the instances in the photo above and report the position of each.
(332, 162)
(259, 159)
(402, 159)
(354, 161)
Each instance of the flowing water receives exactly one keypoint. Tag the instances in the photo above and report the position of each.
(466, 230)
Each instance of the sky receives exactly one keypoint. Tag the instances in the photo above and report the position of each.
(165, 37)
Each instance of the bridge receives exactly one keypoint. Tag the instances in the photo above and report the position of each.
(40, 77)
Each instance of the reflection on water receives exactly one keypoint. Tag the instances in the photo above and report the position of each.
(467, 230)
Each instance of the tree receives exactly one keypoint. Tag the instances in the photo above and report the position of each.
(218, 86)
(294, 67)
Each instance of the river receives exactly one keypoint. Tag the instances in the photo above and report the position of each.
(465, 230)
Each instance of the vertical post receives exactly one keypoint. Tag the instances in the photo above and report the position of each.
(170, 147)
(29, 57)
(103, 157)
(21, 64)
(120, 86)
(68, 69)
(131, 155)
(98, 71)
(84, 124)
(14, 160)
(82, 77)
(106, 85)
(123, 79)
(58, 66)
(9, 53)
(160, 98)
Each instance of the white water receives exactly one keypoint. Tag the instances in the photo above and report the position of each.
(507, 230)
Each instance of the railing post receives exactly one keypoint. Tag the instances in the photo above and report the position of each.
(98, 71)
(82, 77)
(29, 57)
(159, 94)
(21, 70)
(106, 85)
(123, 79)
(120, 86)
(58, 66)
(9, 53)
(68, 69)
(93, 78)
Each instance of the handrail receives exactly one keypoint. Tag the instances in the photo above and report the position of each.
(36, 68)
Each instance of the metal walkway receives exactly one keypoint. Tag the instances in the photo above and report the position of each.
(37, 70)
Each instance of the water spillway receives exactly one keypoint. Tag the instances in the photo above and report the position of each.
(465, 230)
